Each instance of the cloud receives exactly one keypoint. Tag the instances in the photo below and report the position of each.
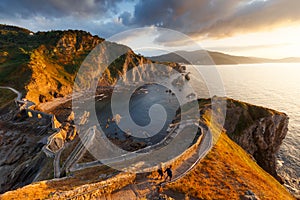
(236, 48)
(185, 16)
(56, 8)
(171, 38)
(126, 18)
(257, 16)
(214, 18)
(196, 18)
(96, 16)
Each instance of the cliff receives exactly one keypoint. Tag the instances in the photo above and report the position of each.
(257, 130)
(22, 159)
(43, 65)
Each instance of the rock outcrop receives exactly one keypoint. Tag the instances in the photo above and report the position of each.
(22, 160)
(249, 195)
(258, 130)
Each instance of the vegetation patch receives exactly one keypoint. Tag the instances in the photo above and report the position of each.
(6, 97)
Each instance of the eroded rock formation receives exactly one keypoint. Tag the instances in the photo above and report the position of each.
(258, 130)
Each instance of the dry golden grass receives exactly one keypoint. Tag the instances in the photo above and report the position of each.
(226, 173)
(46, 189)
(39, 190)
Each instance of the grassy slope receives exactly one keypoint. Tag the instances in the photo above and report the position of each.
(227, 172)
(45, 189)
(15, 47)
(6, 97)
(44, 63)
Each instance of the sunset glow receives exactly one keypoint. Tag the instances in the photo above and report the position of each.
(278, 43)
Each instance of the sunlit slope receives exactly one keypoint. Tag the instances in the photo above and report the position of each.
(226, 173)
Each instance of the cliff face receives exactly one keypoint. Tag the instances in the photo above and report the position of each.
(22, 159)
(42, 64)
(54, 64)
(258, 130)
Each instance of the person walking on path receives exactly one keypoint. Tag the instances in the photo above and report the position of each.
(160, 173)
(169, 172)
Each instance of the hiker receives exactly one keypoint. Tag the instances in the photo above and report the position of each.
(169, 172)
(160, 173)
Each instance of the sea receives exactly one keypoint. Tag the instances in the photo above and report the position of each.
(271, 85)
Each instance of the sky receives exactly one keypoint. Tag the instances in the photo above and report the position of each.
(261, 28)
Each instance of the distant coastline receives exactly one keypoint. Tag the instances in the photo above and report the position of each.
(199, 57)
